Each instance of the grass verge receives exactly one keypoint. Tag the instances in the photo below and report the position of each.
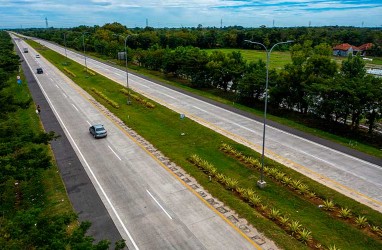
(57, 200)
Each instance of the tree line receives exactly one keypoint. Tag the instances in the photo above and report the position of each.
(336, 97)
(105, 39)
(26, 217)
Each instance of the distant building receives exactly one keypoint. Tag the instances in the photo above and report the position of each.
(364, 48)
(346, 49)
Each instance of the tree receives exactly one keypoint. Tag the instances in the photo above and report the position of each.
(252, 85)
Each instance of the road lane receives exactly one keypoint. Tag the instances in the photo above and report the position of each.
(123, 184)
(349, 175)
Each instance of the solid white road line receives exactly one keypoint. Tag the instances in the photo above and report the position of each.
(158, 204)
(72, 104)
(114, 153)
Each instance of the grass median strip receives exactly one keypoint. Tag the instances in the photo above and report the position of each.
(163, 128)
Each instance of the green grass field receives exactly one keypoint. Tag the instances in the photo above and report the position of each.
(162, 127)
(277, 59)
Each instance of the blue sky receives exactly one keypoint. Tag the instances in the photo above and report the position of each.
(190, 13)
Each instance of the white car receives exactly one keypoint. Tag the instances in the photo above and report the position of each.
(37, 56)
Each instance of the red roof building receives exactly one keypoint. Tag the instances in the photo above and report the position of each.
(346, 49)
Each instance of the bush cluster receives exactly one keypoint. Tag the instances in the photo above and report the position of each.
(91, 72)
(104, 97)
(139, 99)
(304, 190)
(69, 72)
(248, 195)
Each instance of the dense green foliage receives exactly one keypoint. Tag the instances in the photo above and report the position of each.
(312, 89)
(103, 39)
(34, 209)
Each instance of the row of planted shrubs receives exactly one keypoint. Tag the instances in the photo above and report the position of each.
(90, 71)
(294, 228)
(104, 97)
(139, 99)
(69, 72)
(304, 190)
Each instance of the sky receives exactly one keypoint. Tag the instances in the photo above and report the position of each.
(189, 13)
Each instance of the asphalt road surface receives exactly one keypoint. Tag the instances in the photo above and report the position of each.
(149, 206)
(347, 171)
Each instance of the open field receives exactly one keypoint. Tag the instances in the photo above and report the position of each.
(277, 59)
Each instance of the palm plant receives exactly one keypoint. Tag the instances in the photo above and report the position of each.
(345, 213)
(294, 227)
(274, 214)
(361, 221)
(284, 220)
(305, 235)
(328, 205)
(254, 200)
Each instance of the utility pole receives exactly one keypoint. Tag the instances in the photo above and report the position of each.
(46, 22)
(147, 22)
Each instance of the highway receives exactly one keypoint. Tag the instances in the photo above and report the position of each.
(151, 208)
(347, 174)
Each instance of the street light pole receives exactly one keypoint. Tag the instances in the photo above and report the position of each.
(83, 43)
(127, 73)
(65, 46)
(261, 183)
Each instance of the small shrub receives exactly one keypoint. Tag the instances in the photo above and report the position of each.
(103, 96)
(294, 227)
(239, 155)
(376, 229)
(311, 195)
(254, 162)
(240, 191)
(303, 189)
(274, 214)
(284, 220)
(318, 246)
(255, 200)
(328, 205)
(249, 192)
(273, 172)
(263, 207)
(213, 172)
(220, 177)
(333, 248)
(361, 221)
(231, 183)
(266, 169)
(279, 176)
(138, 98)
(305, 235)
(226, 148)
(69, 72)
(295, 184)
(89, 71)
(345, 213)
(286, 180)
